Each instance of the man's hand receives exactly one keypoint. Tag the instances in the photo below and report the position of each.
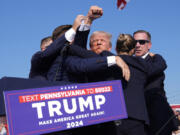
(125, 69)
(94, 13)
(77, 21)
(151, 54)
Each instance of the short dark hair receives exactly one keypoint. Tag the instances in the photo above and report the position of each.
(46, 39)
(125, 43)
(58, 31)
(143, 31)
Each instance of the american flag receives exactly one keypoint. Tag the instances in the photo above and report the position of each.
(122, 3)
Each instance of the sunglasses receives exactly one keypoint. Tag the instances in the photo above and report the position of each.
(142, 42)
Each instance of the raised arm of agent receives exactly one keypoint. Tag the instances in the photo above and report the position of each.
(83, 66)
(158, 65)
(52, 51)
(42, 60)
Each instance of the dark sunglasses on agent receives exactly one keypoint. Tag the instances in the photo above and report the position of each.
(142, 42)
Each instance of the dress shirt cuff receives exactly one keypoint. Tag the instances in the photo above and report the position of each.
(111, 60)
(84, 27)
(70, 35)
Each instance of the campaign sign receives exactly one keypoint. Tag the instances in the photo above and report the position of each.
(50, 109)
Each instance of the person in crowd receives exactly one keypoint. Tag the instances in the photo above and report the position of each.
(156, 100)
(177, 115)
(3, 126)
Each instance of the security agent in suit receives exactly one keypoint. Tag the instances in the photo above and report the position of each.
(44, 63)
(39, 72)
(133, 91)
(55, 68)
(140, 72)
(156, 100)
(42, 60)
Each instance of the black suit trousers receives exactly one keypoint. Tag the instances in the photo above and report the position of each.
(160, 114)
(131, 127)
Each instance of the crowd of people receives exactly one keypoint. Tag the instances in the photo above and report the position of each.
(177, 115)
(65, 59)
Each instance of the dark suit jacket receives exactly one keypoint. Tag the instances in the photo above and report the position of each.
(77, 69)
(56, 70)
(133, 90)
(44, 65)
(155, 83)
(41, 61)
(157, 103)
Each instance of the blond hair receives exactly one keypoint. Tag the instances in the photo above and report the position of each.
(125, 43)
(109, 36)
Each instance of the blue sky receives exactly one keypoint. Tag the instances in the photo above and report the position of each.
(23, 23)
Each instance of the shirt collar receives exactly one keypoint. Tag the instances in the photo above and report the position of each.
(145, 55)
